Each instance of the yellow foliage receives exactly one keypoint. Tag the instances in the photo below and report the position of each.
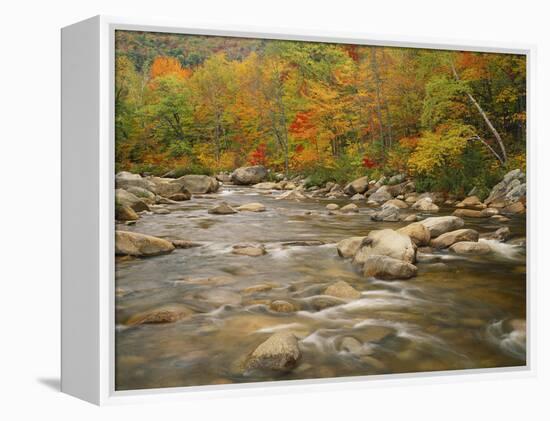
(443, 147)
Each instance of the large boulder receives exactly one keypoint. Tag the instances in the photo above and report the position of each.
(349, 246)
(249, 175)
(438, 225)
(278, 353)
(357, 186)
(146, 195)
(470, 247)
(125, 179)
(385, 267)
(515, 194)
(452, 237)
(167, 187)
(136, 244)
(512, 181)
(386, 242)
(124, 198)
(198, 184)
(342, 289)
(418, 233)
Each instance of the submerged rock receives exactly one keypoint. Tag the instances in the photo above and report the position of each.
(222, 209)
(470, 247)
(279, 353)
(166, 314)
(267, 185)
(185, 244)
(281, 306)
(135, 244)
(501, 234)
(251, 207)
(249, 250)
(342, 289)
(385, 267)
(332, 206)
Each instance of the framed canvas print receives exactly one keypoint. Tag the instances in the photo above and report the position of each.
(244, 209)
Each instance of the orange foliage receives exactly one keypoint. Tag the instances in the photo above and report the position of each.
(163, 66)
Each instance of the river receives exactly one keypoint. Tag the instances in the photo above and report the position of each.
(453, 315)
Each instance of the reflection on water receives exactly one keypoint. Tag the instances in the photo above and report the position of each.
(457, 313)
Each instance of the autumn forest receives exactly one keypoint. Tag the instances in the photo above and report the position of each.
(201, 105)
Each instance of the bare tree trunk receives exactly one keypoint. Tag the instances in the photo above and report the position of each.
(504, 157)
(374, 68)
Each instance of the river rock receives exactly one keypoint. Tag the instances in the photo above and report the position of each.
(342, 289)
(134, 244)
(449, 238)
(425, 204)
(222, 209)
(396, 179)
(357, 196)
(488, 212)
(418, 233)
(516, 193)
(124, 198)
(249, 175)
(267, 185)
(470, 247)
(512, 180)
(441, 224)
(501, 234)
(254, 289)
(470, 201)
(166, 314)
(351, 207)
(514, 208)
(281, 306)
(125, 213)
(198, 184)
(251, 207)
(357, 186)
(410, 218)
(180, 197)
(385, 267)
(349, 246)
(322, 303)
(144, 194)
(398, 203)
(468, 213)
(292, 195)
(386, 242)
(332, 206)
(249, 250)
(125, 179)
(223, 177)
(185, 244)
(388, 213)
(381, 195)
(500, 218)
(279, 353)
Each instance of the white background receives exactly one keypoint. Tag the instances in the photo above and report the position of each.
(29, 237)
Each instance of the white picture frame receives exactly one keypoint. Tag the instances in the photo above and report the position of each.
(88, 214)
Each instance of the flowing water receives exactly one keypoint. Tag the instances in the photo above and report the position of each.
(456, 314)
